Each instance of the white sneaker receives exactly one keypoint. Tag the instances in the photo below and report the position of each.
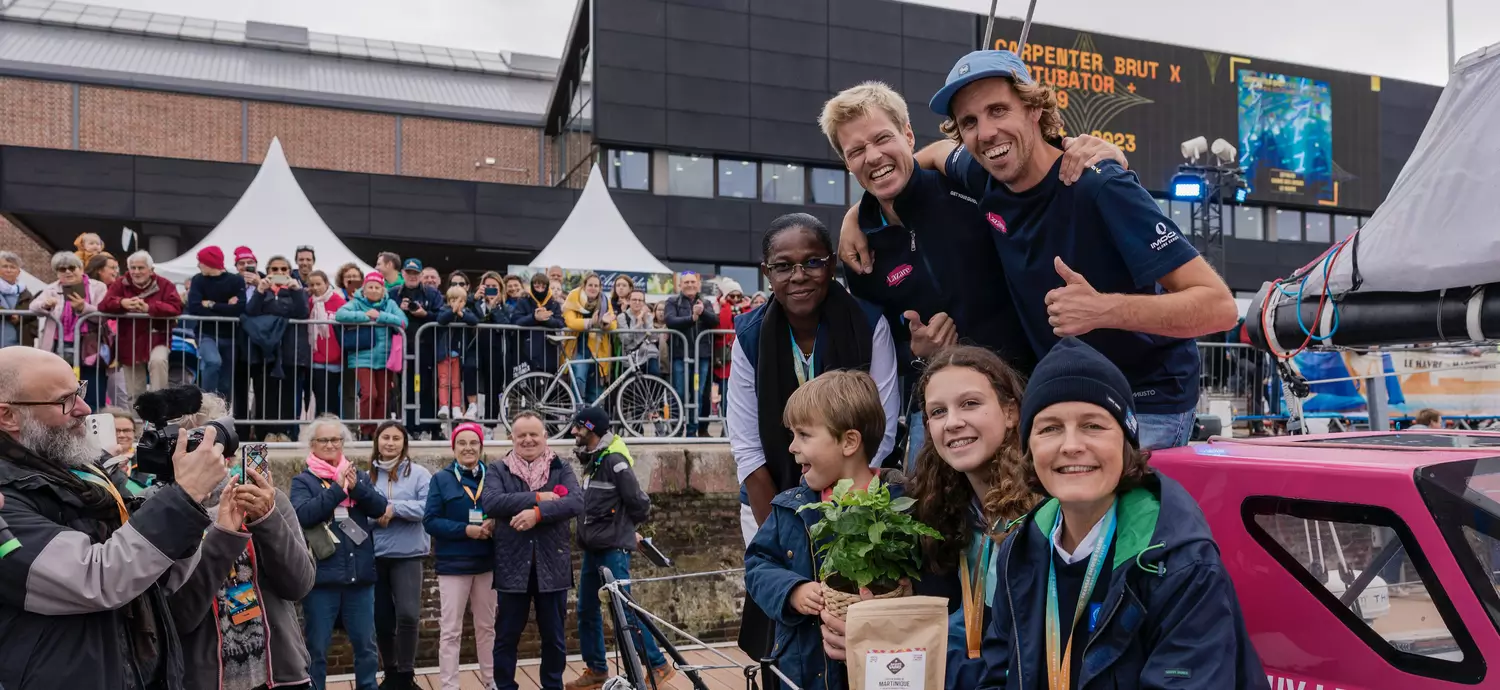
(472, 412)
(476, 409)
(444, 412)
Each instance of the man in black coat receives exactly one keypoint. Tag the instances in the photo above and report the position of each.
(421, 305)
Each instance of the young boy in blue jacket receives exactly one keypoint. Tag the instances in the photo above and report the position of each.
(837, 423)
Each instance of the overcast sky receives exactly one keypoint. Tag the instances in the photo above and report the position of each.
(1406, 39)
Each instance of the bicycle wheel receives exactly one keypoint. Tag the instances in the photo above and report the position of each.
(548, 396)
(648, 406)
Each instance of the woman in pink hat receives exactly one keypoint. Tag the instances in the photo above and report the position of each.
(366, 341)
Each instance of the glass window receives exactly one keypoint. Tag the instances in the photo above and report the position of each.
(781, 183)
(737, 179)
(1249, 223)
(828, 187)
(1288, 225)
(628, 169)
(747, 276)
(690, 175)
(855, 191)
(1328, 547)
(1344, 226)
(1317, 227)
(1162, 204)
(1181, 213)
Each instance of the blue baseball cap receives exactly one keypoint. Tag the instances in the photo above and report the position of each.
(980, 64)
(412, 265)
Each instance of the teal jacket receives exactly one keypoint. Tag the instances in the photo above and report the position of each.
(353, 312)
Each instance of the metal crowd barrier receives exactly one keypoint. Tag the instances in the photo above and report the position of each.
(714, 346)
(26, 327)
(1241, 375)
(489, 372)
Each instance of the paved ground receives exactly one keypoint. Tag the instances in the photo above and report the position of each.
(527, 678)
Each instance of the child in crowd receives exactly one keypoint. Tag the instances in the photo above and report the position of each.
(88, 244)
(837, 423)
(451, 345)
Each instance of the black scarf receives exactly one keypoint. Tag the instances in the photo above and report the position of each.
(95, 501)
(844, 335)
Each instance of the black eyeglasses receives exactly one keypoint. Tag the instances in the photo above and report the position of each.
(279, 269)
(782, 269)
(460, 283)
(66, 404)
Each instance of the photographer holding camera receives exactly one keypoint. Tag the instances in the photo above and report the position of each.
(83, 599)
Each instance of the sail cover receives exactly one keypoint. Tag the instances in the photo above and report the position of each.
(1440, 226)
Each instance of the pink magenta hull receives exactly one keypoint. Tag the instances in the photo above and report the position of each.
(1302, 645)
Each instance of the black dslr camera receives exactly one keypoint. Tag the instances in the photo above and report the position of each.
(158, 441)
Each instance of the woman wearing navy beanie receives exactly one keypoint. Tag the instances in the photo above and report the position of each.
(1115, 580)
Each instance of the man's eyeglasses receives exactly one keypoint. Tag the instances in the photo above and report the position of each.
(66, 404)
(782, 269)
(460, 283)
(329, 441)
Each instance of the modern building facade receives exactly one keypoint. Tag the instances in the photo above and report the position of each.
(700, 112)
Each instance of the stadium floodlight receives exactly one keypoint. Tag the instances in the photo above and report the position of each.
(1224, 151)
(1193, 148)
(1240, 194)
(1188, 187)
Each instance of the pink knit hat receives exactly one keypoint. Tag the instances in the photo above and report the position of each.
(375, 277)
(466, 426)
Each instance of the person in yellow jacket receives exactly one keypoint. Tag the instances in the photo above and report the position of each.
(589, 314)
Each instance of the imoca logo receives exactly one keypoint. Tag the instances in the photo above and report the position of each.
(898, 275)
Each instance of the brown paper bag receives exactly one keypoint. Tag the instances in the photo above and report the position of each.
(897, 644)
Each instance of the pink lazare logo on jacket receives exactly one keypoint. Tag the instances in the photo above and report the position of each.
(898, 275)
(996, 221)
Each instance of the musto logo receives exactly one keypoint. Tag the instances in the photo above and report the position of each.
(996, 221)
(1165, 236)
(898, 275)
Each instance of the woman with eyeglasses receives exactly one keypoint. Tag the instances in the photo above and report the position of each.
(327, 382)
(337, 507)
(496, 350)
(68, 302)
(812, 326)
(350, 279)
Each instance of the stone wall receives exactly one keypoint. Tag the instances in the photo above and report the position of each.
(695, 521)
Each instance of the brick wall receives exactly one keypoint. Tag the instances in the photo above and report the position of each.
(450, 149)
(150, 123)
(36, 259)
(325, 138)
(36, 113)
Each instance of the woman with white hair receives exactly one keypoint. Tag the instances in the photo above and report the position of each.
(337, 507)
(67, 331)
(14, 297)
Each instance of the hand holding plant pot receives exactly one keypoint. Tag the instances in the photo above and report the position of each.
(866, 542)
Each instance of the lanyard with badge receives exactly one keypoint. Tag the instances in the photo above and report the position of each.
(476, 516)
(1059, 661)
(973, 593)
(804, 363)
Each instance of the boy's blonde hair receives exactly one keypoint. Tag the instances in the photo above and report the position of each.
(456, 293)
(840, 401)
(858, 101)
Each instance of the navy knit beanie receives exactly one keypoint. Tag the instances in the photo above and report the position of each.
(1075, 372)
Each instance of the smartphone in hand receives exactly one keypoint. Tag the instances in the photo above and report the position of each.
(254, 456)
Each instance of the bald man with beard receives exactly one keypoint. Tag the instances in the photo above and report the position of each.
(83, 600)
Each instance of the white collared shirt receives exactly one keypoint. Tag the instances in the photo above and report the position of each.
(1085, 546)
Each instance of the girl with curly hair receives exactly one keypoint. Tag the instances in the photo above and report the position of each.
(969, 485)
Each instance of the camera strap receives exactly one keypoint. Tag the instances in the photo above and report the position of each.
(94, 476)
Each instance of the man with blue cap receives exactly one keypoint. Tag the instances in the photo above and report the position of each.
(1096, 259)
(421, 305)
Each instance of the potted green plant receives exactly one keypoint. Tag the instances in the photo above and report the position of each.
(867, 542)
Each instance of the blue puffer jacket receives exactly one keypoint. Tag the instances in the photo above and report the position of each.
(353, 312)
(447, 515)
(1170, 616)
(315, 504)
(546, 546)
(778, 560)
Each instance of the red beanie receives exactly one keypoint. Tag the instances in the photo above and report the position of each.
(466, 426)
(242, 253)
(212, 257)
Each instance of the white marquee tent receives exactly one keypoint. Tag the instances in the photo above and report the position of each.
(273, 217)
(596, 237)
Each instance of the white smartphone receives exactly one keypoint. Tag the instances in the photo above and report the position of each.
(101, 432)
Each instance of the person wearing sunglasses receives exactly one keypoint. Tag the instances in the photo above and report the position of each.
(811, 326)
(690, 313)
(85, 598)
(65, 302)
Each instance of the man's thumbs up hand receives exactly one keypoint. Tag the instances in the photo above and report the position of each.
(928, 339)
(1075, 308)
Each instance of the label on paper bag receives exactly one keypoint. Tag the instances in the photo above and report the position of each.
(902, 669)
